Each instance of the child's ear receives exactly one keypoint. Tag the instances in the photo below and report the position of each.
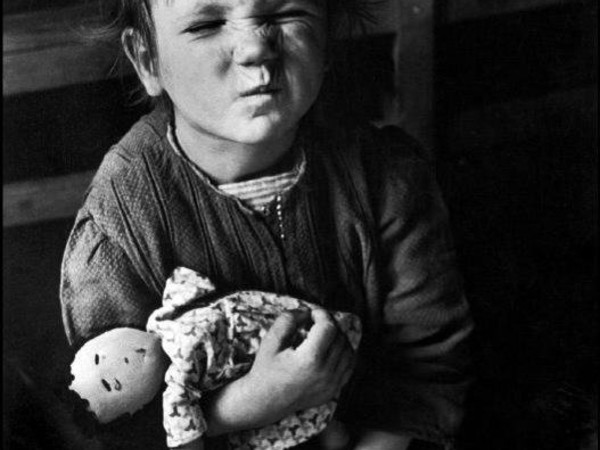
(139, 54)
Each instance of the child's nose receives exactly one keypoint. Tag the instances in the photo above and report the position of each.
(254, 47)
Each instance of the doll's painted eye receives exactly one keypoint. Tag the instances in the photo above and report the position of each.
(126, 360)
(97, 359)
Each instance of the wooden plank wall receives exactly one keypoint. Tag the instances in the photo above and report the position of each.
(43, 200)
(47, 49)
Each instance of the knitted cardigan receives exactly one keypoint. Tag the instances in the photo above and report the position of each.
(366, 231)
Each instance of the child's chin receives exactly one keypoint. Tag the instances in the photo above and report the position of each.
(260, 130)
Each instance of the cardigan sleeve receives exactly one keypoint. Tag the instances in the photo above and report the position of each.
(414, 376)
(100, 289)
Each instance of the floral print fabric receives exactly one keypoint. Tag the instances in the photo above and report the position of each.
(211, 343)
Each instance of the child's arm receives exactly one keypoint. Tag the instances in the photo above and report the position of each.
(414, 376)
(283, 379)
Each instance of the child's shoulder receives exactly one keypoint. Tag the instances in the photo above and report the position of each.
(379, 151)
(144, 140)
(140, 150)
(134, 168)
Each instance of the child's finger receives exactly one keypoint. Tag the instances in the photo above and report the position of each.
(337, 349)
(281, 332)
(345, 367)
(320, 336)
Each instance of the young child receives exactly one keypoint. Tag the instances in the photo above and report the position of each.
(233, 176)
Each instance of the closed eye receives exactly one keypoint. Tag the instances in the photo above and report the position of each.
(285, 16)
(205, 27)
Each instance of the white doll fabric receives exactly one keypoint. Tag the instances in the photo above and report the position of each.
(211, 343)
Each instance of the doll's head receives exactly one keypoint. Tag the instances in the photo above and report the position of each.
(118, 372)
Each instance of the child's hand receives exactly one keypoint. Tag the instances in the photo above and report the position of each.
(284, 379)
(309, 375)
(381, 440)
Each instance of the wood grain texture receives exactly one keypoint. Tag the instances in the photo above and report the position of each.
(47, 49)
(42, 200)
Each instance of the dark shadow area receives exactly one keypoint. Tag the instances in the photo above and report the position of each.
(64, 130)
(517, 151)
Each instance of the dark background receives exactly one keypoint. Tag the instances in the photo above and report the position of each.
(516, 149)
(517, 111)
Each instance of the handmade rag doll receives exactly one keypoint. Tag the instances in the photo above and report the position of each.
(210, 343)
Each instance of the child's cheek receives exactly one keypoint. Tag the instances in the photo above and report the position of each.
(303, 43)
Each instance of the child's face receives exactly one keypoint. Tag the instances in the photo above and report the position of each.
(240, 70)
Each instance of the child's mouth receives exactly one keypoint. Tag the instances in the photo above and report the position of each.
(260, 90)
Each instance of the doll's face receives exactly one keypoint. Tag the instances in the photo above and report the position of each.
(118, 372)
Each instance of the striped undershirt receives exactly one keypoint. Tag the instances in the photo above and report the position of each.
(258, 193)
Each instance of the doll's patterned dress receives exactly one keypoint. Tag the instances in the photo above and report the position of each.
(211, 343)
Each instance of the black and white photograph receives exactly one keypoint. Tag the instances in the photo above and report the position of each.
(300, 224)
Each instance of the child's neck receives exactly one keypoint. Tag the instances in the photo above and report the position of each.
(228, 161)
